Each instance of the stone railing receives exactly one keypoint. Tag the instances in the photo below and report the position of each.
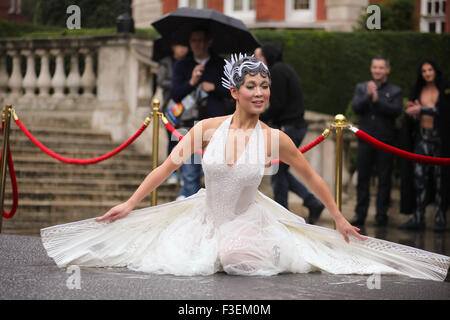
(110, 77)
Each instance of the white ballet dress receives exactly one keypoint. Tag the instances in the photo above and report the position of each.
(230, 226)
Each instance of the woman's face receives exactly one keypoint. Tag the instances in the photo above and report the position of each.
(254, 94)
(428, 72)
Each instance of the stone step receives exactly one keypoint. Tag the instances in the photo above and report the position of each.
(44, 161)
(53, 142)
(55, 118)
(66, 133)
(77, 184)
(57, 212)
(80, 172)
(67, 152)
(166, 191)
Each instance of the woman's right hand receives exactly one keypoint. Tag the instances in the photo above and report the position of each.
(118, 212)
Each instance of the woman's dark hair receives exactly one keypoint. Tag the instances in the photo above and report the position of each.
(420, 82)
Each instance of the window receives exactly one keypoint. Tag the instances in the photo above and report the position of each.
(436, 7)
(432, 27)
(238, 5)
(442, 26)
(301, 11)
(243, 10)
(429, 7)
(443, 6)
(197, 4)
(301, 4)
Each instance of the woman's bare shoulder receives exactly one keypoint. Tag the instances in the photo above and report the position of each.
(212, 123)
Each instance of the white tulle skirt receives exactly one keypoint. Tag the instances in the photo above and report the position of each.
(180, 238)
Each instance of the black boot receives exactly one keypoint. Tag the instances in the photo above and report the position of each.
(314, 213)
(358, 220)
(417, 222)
(440, 221)
(381, 220)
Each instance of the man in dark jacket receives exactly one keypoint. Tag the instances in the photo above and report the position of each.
(201, 72)
(286, 112)
(377, 103)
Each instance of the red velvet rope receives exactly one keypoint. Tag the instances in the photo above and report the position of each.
(12, 175)
(318, 140)
(306, 148)
(401, 153)
(79, 161)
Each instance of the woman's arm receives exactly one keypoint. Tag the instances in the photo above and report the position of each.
(292, 156)
(182, 151)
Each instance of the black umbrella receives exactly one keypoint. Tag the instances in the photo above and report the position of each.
(229, 35)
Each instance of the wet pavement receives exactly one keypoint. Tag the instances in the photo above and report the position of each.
(27, 273)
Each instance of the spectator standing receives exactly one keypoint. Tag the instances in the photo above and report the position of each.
(378, 103)
(198, 73)
(426, 131)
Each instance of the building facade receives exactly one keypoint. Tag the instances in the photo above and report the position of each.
(333, 15)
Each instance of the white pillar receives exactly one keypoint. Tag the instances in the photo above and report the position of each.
(88, 77)
(73, 79)
(59, 78)
(3, 75)
(29, 81)
(15, 80)
(44, 82)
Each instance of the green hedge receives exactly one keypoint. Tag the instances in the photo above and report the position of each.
(330, 64)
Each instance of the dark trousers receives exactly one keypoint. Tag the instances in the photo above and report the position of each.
(366, 160)
(283, 181)
(428, 144)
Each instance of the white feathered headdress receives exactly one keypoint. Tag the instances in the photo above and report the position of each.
(233, 70)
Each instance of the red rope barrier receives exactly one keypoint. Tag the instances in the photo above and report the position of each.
(12, 176)
(306, 148)
(79, 161)
(398, 152)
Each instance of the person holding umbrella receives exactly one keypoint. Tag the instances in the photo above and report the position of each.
(199, 74)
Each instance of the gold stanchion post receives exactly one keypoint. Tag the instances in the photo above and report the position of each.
(6, 118)
(339, 125)
(155, 145)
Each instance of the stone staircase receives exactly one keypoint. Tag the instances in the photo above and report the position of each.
(52, 192)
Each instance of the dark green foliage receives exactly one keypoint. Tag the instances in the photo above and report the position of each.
(330, 64)
(397, 15)
(94, 14)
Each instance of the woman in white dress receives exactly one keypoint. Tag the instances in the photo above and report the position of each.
(230, 226)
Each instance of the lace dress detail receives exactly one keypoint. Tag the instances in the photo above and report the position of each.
(230, 226)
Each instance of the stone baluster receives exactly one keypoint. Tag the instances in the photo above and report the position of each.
(88, 77)
(59, 78)
(73, 79)
(3, 75)
(15, 80)
(29, 81)
(144, 93)
(44, 82)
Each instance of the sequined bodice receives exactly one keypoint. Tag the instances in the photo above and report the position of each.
(231, 190)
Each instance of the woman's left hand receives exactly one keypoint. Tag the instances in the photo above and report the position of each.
(345, 228)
